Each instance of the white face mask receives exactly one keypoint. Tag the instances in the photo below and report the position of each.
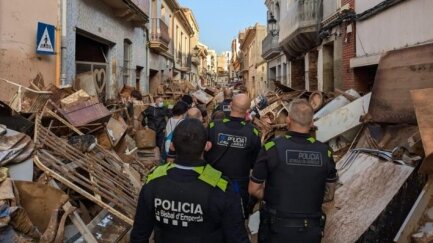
(161, 104)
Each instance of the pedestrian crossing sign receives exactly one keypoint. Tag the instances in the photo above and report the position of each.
(45, 39)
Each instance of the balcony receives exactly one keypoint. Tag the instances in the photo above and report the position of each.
(195, 60)
(183, 62)
(133, 11)
(299, 34)
(270, 47)
(159, 36)
(245, 65)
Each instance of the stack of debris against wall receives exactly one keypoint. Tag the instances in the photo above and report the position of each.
(85, 152)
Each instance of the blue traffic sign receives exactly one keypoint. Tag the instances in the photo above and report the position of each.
(45, 39)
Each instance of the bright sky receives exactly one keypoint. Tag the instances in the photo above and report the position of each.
(221, 20)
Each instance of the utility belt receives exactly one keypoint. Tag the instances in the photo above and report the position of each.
(273, 217)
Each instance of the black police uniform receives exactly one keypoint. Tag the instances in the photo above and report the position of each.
(296, 168)
(185, 204)
(225, 107)
(235, 146)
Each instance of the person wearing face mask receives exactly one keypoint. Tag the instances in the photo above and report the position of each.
(155, 117)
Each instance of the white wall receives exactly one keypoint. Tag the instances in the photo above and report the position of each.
(404, 24)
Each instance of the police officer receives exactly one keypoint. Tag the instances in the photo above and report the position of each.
(188, 201)
(235, 146)
(225, 105)
(299, 173)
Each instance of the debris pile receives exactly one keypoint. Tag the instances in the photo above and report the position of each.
(72, 165)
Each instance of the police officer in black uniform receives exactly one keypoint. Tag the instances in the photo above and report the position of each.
(188, 201)
(225, 105)
(235, 146)
(300, 174)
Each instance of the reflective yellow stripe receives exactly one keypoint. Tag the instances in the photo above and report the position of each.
(269, 145)
(212, 125)
(288, 136)
(311, 140)
(243, 123)
(160, 171)
(256, 131)
(329, 153)
(225, 120)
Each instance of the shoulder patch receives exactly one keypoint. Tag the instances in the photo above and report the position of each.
(159, 171)
(213, 177)
(256, 131)
(269, 145)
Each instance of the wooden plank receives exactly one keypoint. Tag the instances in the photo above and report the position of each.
(411, 223)
(368, 187)
(79, 223)
(421, 100)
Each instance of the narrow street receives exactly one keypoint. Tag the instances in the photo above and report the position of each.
(205, 121)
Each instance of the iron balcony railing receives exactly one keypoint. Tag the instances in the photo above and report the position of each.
(270, 47)
(159, 31)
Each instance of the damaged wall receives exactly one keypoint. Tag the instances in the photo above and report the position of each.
(18, 26)
(98, 20)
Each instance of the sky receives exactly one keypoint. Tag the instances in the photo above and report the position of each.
(221, 20)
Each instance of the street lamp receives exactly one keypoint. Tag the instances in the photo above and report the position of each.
(272, 25)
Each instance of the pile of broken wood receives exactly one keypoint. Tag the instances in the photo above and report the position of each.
(89, 166)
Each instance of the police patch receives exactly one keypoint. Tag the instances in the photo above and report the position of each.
(226, 108)
(233, 140)
(303, 158)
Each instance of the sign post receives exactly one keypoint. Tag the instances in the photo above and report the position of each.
(45, 39)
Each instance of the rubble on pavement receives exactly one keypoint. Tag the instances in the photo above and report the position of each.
(86, 158)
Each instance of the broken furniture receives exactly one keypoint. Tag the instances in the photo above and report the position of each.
(27, 100)
(97, 175)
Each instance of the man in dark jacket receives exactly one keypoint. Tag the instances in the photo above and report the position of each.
(235, 146)
(155, 117)
(188, 201)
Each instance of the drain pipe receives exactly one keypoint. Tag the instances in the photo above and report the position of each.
(63, 47)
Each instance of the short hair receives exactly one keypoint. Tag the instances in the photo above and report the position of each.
(187, 99)
(194, 113)
(136, 94)
(189, 139)
(301, 112)
(180, 108)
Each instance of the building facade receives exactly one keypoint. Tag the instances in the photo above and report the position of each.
(161, 61)
(278, 67)
(107, 38)
(253, 66)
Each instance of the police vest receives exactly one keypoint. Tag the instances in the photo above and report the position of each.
(181, 208)
(236, 160)
(296, 185)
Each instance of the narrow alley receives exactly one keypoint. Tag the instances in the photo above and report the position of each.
(221, 121)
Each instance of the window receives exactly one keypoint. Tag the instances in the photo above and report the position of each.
(126, 61)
